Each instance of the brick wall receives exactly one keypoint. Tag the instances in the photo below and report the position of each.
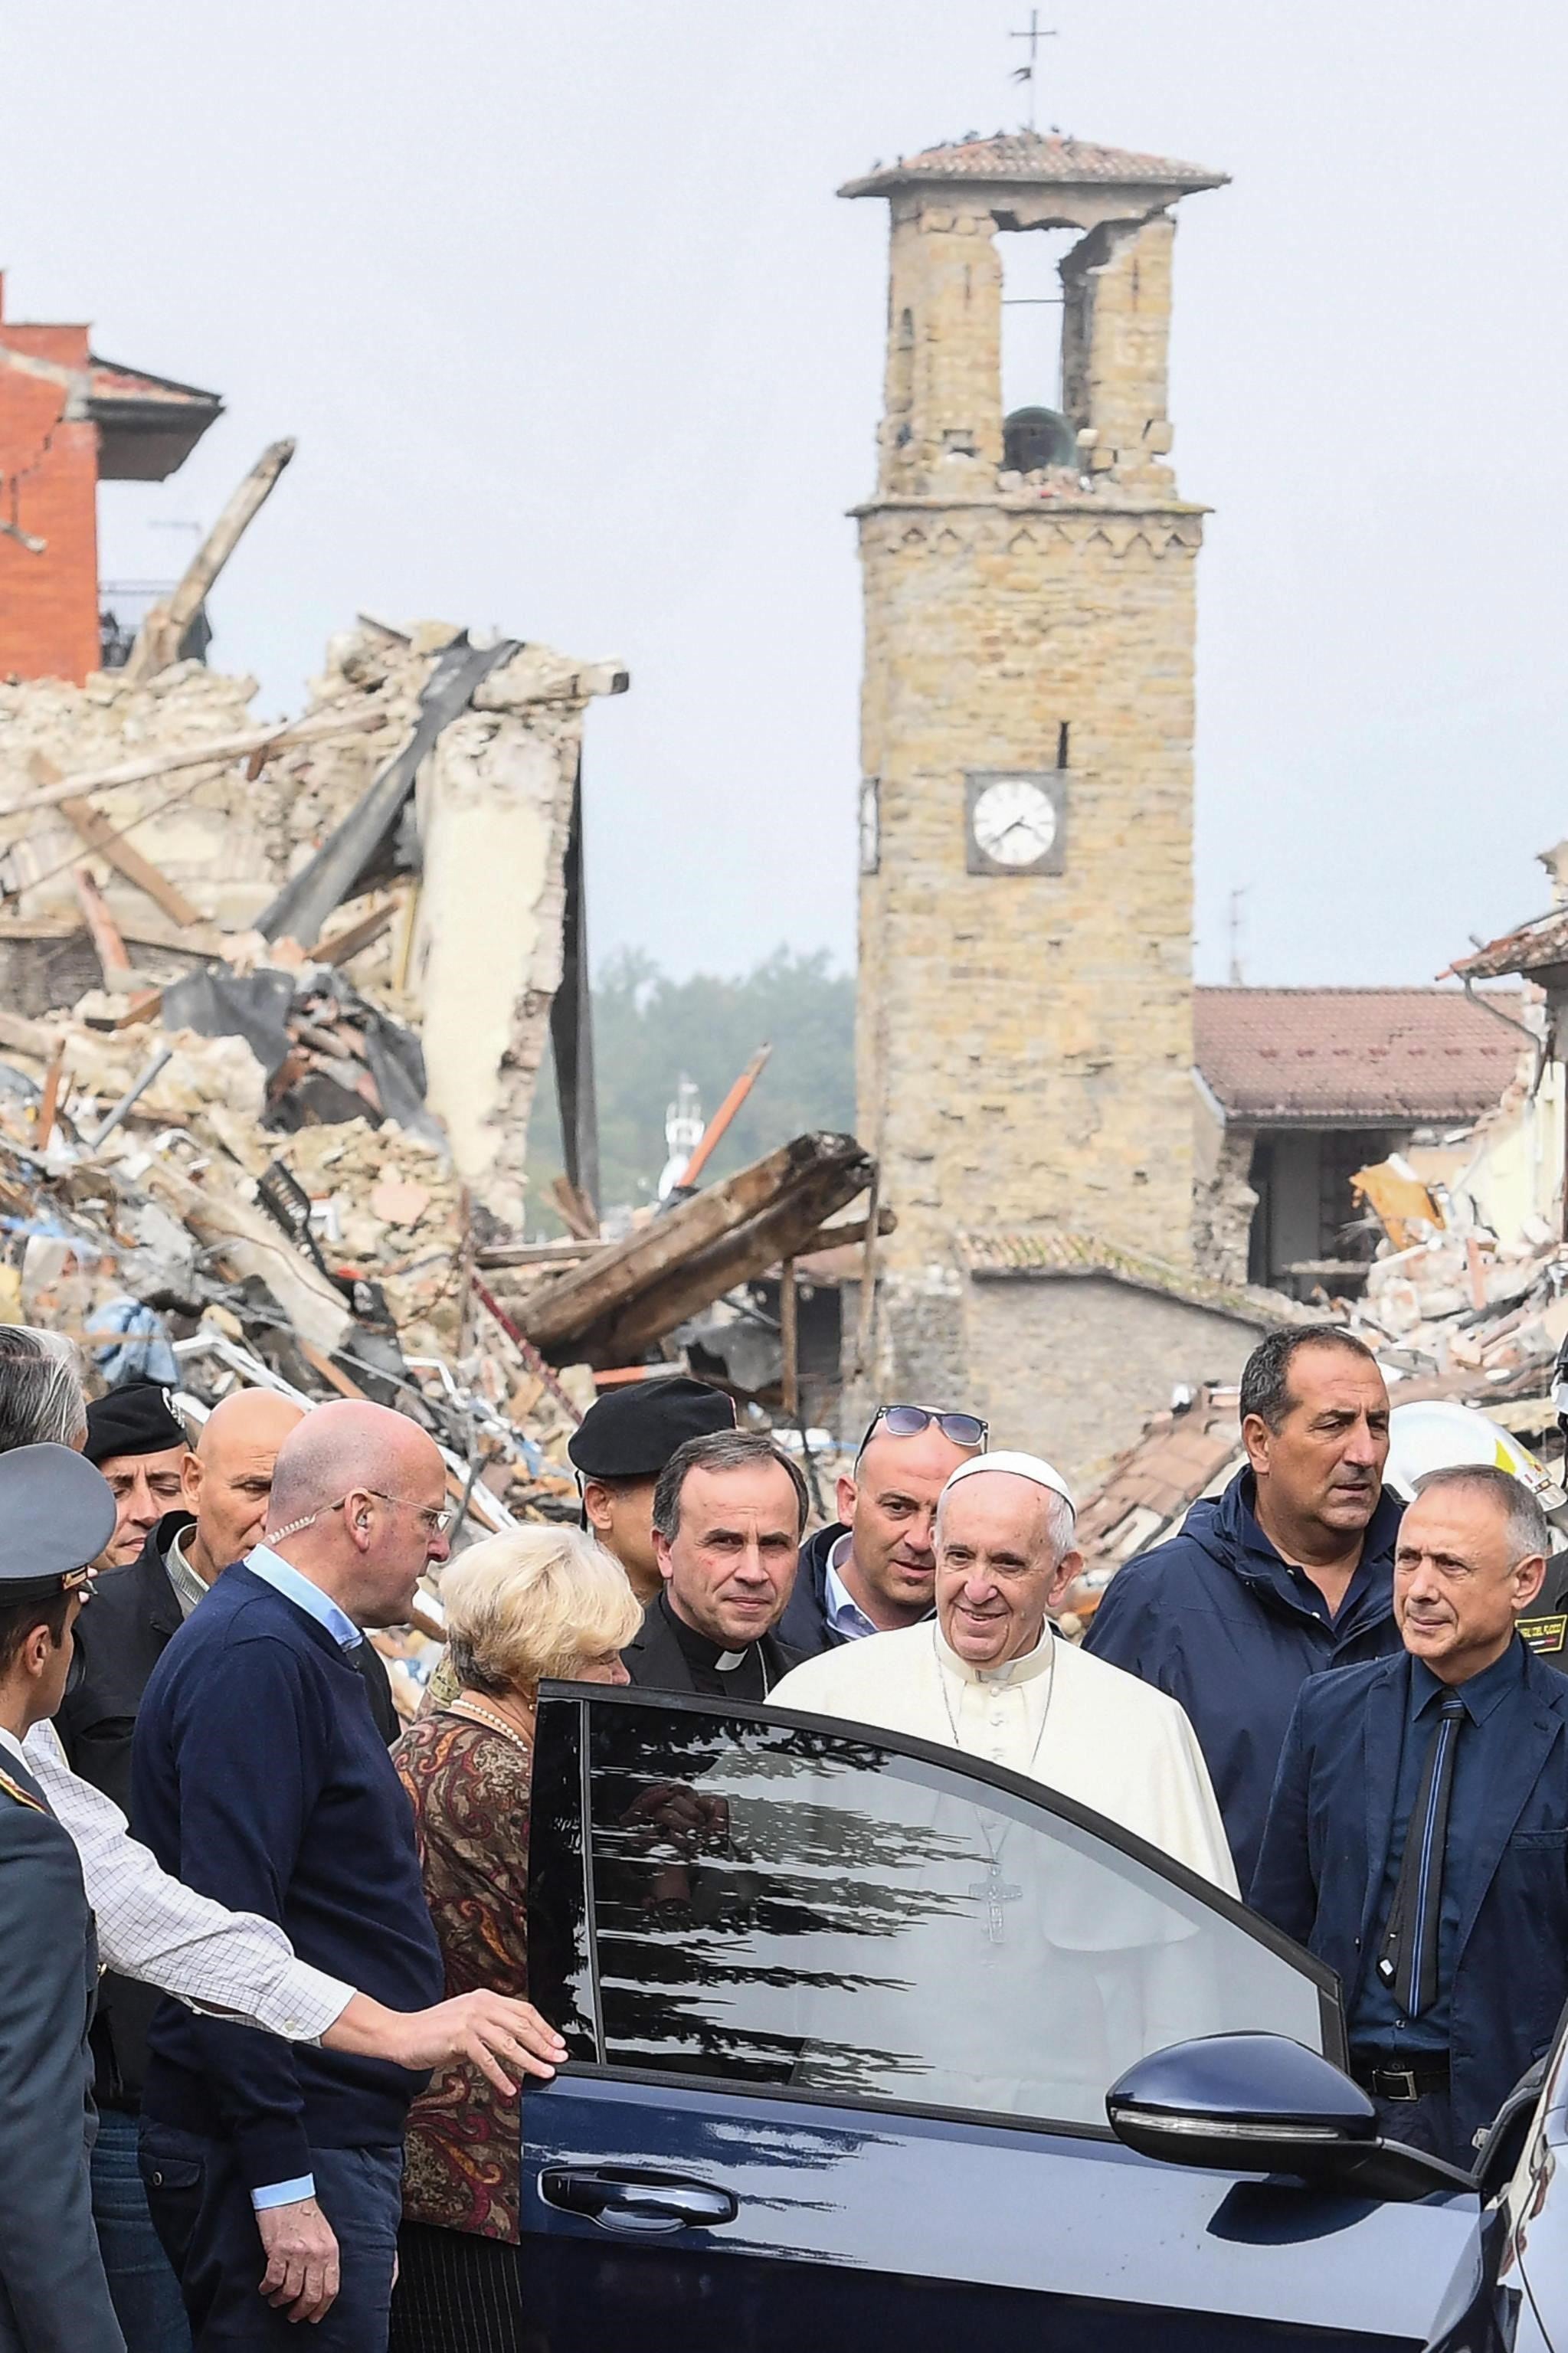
(48, 486)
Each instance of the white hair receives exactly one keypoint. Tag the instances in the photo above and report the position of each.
(41, 1397)
(534, 1602)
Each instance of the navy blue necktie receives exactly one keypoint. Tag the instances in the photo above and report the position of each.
(1409, 1958)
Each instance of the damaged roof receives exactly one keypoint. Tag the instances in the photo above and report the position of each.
(148, 425)
(1539, 946)
(1040, 1254)
(1278, 1056)
(1037, 159)
(1183, 1454)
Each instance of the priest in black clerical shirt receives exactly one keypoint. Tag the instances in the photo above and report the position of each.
(728, 1515)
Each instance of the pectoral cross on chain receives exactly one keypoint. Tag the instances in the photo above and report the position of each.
(994, 1890)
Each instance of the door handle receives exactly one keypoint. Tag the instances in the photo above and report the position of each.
(621, 2198)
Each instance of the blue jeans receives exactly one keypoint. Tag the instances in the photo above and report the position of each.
(145, 2292)
(204, 2219)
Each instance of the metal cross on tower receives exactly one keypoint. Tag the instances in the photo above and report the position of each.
(1034, 35)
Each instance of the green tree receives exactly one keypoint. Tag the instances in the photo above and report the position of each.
(651, 1031)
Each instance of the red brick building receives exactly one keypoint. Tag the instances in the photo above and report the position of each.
(69, 420)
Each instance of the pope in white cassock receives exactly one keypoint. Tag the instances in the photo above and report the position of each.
(1069, 1958)
(988, 1674)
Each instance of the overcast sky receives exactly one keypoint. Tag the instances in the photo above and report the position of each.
(576, 340)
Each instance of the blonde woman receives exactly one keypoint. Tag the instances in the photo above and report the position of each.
(539, 1602)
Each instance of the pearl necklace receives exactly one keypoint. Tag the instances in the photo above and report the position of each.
(497, 1723)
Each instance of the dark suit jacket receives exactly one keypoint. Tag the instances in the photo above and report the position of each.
(53, 2294)
(804, 1624)
(655, 1661)
(1321, 1871)
(120, 1638)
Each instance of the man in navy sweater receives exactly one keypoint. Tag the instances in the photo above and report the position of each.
(259, 1776)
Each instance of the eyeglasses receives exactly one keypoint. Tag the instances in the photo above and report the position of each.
(909, 1421)
(438, 1522)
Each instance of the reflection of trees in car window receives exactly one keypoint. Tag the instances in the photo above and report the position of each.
(813, 1911)
(700, 1928)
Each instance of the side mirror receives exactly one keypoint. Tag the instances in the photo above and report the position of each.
(1261, 2103)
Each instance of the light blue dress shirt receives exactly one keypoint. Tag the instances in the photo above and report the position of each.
(286, 1578)
(846, 1615)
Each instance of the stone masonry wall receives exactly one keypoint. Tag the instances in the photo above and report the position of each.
(1072, 1367)
(1026, 1041)
(944, 345)
(1117, 286)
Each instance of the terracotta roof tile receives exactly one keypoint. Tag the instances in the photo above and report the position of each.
(110, 382)
(1037, 159)
(1306, 1054)
(1535, 947)
(1043, 1253)
(1151, 1486)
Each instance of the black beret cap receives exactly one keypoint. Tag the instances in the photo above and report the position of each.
(631, 1432)
(57, 1513)
(140, 1419)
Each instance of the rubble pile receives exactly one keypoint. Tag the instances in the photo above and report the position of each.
(1446, 1301)
(225, 948)
(335, 1255)
(273, 997)
(1466, 1305)
(226, 832)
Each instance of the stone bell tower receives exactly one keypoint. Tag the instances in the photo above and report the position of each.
(1025, 1045)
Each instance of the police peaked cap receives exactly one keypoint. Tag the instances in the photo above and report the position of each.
(140, 1419)
(57, 1513)
(631, 1432)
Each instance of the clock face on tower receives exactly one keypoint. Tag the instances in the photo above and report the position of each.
(1015, 820)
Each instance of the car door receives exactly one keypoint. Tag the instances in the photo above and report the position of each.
(842, 2010)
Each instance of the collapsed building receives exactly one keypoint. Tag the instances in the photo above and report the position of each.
(1455, 1275)
(226, 837)
(279, 992)
(274, 998)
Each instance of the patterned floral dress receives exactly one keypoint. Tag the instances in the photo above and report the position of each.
(470, 1791)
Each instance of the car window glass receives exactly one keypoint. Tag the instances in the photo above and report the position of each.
(818, 1913)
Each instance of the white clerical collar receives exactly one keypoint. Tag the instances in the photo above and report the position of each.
(1021, 1670)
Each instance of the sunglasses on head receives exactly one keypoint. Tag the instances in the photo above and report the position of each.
(909, 1421)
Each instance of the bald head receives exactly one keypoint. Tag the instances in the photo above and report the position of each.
(227, 1481)
(343, 1446)
(888, 1503)
(250, 1418)
(358, 1498)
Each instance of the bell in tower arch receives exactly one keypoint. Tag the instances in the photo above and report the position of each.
(1034, 438)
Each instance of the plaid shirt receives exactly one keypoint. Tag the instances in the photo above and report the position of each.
(149, 1927)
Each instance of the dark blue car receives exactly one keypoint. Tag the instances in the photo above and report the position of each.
(850, 2018)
